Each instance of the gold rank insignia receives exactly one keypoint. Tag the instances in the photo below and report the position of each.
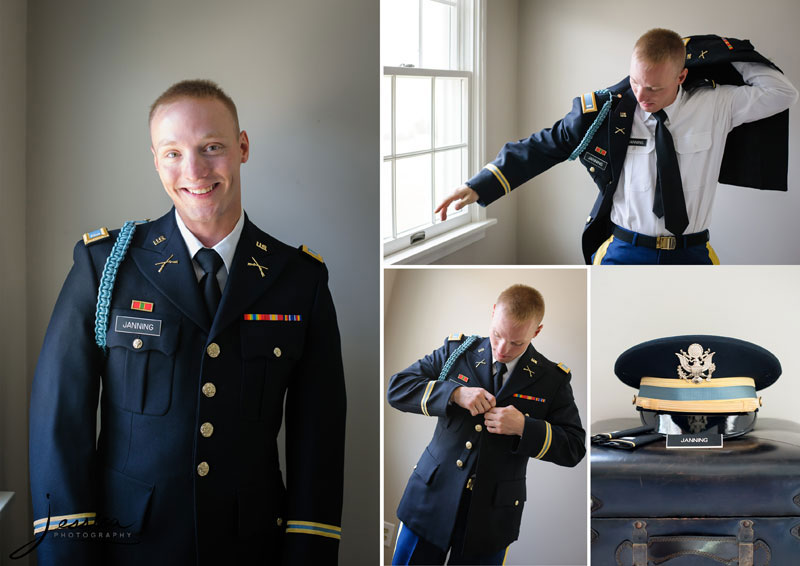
(563, 368)
(95, 236)
(589, 102)
(456, 336)
(312, 253)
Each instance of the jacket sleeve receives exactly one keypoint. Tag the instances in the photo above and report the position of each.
(559, 437)
(63, 416)
(315, 429)
(767, 92)
(417, 389)
(520, 161)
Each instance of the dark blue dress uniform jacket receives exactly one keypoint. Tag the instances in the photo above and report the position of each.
(461, 447)
(756, 154)
(139, 489)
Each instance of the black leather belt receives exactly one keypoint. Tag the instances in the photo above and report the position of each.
(661, 242)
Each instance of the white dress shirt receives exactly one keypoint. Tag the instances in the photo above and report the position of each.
(699, 123)
(225, 248)
(509, 366)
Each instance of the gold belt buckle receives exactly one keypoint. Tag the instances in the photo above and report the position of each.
(470, 483)
(666, 242)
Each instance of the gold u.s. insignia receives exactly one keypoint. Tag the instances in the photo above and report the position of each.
(261, 246)
(534, 360)
(623, 114)
(158, 240)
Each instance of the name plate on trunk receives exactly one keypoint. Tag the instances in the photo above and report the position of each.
(709, 440)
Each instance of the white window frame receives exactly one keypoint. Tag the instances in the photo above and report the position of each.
(441, 239)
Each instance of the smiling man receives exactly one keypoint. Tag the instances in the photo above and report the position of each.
(693, 112)
(498, 403)
(201, 329)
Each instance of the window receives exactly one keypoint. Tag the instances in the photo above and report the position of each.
(429, 129)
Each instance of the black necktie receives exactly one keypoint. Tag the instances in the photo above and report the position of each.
(668, 200)
(498, 376)
(210, 261)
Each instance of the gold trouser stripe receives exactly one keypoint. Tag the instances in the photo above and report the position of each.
(688, 384)
(425, 397)
(505, 555)
(548, 437)
(718, 406)
(601, 251)
(500, 177)
(712, 255)
(317, 533)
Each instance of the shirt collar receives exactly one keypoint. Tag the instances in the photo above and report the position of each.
(671, 110)
(513, 364)
(225, 247)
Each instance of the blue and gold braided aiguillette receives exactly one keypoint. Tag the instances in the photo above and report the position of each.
(595, 125)
(106, 287)
(310, 528)
(454, 356)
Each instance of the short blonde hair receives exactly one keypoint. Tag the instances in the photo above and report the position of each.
(522, 303)
(195, 88)
(659, 45)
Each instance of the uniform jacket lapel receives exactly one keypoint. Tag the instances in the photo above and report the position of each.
(480, 364)
(162, 242)
(246, 281)
(521, 378)
(619, 130)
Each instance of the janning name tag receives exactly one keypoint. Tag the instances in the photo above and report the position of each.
(133, 325)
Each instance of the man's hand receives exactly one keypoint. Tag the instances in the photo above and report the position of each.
(504, 420)
(474, 399)
(463, 194)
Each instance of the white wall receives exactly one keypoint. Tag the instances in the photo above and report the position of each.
(630, 305)
(15, 527)
(304, 75)
(500, 244)
(567, 48)
(423, 306)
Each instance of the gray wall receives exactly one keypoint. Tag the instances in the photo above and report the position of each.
(422, 307)
(15, 527)
(304, 75)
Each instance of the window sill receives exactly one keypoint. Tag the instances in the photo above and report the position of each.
(428, 251)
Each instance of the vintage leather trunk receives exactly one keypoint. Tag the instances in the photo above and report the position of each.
(738, 505)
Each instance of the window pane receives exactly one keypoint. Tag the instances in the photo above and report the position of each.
(450, 174)
(386, 199)
(439, 34)
(414, 207)
(413, 119)
(386, 116)
(450, 116)
(399, 32)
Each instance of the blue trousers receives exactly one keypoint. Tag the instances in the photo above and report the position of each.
(413, 549)
(617, 252)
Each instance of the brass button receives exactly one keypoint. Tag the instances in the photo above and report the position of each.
(516, 503)
(527, 415)
(138, 343)
(209, 389)
(279, 521)
(213, 349)
(277, 352)
(591, 169)
(459, 463)
(202, 469)
(415, 466)
(478, 428)
(468, 445)
(206, 429)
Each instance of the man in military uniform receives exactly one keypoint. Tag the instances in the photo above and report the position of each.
(693, 111)
(200, 328)
(499, 403)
